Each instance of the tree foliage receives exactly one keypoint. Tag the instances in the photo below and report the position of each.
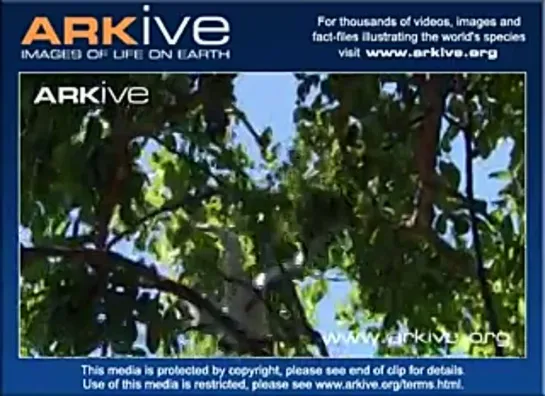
(368, 190)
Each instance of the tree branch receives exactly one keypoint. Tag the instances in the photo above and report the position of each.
(151, 279)
(425, 150)
(300, 314)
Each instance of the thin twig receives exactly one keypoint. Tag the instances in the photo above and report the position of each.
(481, 272)
(170, 207)
(315, 336)
(244, 119)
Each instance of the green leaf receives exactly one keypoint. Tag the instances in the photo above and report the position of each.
(266, 138)
(441, 225)
(503, 175)
(461, 224)
(451, 173)
(506, 229)
(34, 271)
(153, 337)
(170, 142)
(140, 352)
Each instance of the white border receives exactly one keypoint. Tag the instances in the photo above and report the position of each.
(20, 73)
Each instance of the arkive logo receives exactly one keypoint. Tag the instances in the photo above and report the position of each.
(98, 95)
(205, 30)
